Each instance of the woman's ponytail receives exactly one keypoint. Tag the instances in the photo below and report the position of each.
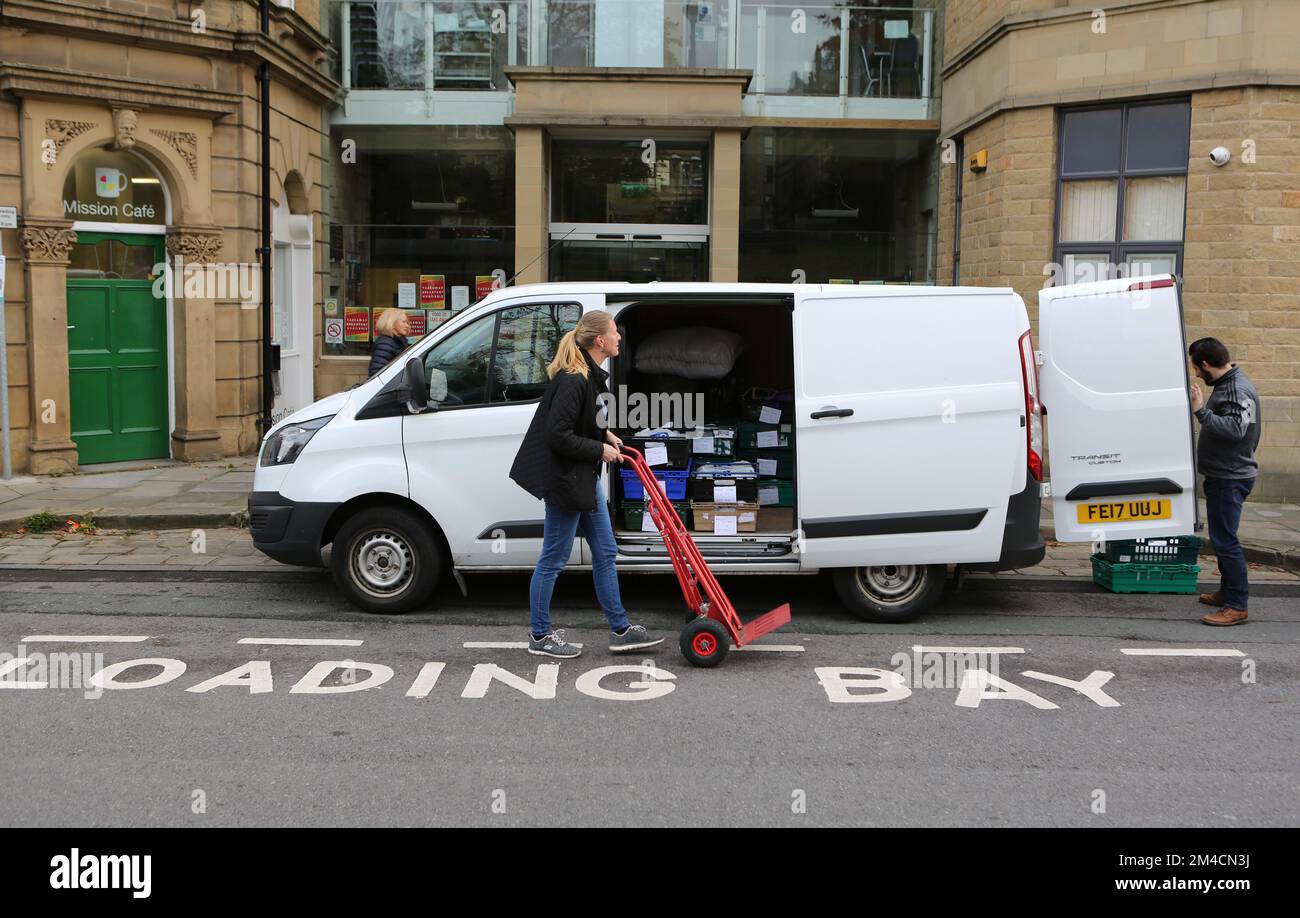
(568, 355)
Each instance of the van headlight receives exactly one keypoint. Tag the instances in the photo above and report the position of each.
(283, 446)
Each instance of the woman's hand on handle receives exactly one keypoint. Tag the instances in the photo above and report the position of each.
(610, 453)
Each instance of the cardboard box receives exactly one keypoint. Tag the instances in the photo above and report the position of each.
(775, 519)
(704, 515)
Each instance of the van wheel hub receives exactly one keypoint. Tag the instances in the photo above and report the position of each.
(383, 563)
(890, 582)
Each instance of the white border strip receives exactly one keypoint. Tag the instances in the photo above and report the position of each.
(85, 638)
(1180, 652)
(772, 648)
(989, 650)
(504, 645)
(303, 642)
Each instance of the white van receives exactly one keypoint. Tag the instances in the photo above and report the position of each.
(919, 441)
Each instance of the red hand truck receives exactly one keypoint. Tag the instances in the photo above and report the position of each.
(716, 626)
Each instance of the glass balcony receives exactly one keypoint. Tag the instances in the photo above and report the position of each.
(811, 60)
(432, 44)
(824, 49)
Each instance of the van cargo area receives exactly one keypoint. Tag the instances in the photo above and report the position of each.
(705, 390)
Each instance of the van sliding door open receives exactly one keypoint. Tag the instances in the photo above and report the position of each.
(1119, 428)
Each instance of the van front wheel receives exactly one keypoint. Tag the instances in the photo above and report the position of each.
(890, 592)
(386, 560)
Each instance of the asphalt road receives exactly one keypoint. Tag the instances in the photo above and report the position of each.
(815, 734)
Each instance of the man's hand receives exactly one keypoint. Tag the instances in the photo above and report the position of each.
(1198, 397)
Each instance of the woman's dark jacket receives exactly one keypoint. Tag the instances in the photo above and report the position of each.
(386, 348)
(560, 457)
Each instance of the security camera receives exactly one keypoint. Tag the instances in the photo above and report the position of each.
(1220, 156)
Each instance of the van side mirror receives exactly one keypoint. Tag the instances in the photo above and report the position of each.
(414, 387)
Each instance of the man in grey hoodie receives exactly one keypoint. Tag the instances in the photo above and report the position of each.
(1225, 454)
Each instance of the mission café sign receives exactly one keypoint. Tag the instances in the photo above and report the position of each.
(113, 187)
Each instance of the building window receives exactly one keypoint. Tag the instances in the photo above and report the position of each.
(1122, 190)
(423, 219)
(823, 206)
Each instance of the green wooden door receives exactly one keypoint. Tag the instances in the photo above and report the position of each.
(117, 349)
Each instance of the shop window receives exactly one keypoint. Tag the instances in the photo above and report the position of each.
(1122, 190)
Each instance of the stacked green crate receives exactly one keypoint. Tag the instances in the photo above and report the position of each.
(637, 519)
(769, 446)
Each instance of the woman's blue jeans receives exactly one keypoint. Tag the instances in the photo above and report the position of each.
(557, 545)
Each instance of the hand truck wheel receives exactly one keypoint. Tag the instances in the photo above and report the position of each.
(704, 642)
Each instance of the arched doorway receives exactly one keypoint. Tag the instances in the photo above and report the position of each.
(119, 341)
(292, 297)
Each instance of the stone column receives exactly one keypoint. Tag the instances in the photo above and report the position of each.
(47, 245)
(532, 209)
(191, 251)
(724, 234)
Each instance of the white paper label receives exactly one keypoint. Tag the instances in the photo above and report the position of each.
(767, 467)
(406, 296)
(724, 494)
(769, 415)
(459, 297)
(647, 522)
(656, 455)
(724, 524)
(769, 496)
(768, 438)
(663, 486)
(747, 517)
(702, 445)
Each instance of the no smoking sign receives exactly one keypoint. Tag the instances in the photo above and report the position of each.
(333, 331)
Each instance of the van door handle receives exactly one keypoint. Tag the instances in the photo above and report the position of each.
(832, 413)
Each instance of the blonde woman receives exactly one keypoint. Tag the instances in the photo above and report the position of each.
(391, 329)
(560, 461)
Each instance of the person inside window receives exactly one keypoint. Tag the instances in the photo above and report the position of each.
(391, 329)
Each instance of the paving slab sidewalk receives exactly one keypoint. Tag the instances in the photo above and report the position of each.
(214, 495)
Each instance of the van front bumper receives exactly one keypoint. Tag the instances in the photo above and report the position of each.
(287, 530)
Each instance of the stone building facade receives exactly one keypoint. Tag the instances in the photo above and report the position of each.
(1017, 71)
(130, 138)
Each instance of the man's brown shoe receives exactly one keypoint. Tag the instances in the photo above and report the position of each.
(1225, 616)
(1212, 599)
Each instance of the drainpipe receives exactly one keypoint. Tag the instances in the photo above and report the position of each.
(264, 77)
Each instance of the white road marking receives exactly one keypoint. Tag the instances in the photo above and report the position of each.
(303, 642)
(1180, 652)
(504, 645)
(85, 638)
(989, 650)
(772, 648)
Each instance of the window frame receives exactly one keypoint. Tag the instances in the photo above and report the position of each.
(1118, 251)
(495, 316)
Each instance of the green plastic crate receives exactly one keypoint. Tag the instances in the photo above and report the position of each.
(1168, 550)
(633, 514)
(784, 489)
(1120, 577)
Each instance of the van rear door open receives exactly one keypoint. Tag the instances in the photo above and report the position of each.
(1119, 428)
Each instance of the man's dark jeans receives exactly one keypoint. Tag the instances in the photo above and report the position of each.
(1223, 500)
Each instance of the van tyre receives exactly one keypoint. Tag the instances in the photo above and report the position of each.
(386, 560)
(890, 593)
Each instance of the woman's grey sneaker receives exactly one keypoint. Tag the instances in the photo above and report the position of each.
(634, 638)
(553, 645)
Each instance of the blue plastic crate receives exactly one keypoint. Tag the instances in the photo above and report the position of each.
(674, 482)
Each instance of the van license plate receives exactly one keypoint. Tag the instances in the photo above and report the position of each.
(1124, 511)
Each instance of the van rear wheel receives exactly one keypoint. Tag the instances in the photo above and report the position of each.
(890, 593)
(386, 560)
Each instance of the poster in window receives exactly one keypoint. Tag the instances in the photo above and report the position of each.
(483, 285)
(356, 323)
(419, 325)
(433, 291)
